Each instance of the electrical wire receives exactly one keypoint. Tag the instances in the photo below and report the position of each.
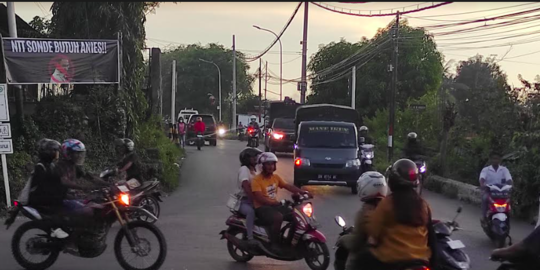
(471, 12)
(359, 14)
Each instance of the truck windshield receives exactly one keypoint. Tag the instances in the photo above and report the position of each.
(327, 136)
(282, 123)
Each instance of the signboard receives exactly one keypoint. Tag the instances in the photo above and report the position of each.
(6, 146)
(61, 61)
(4, 109)
(5, 130)
(418, 107)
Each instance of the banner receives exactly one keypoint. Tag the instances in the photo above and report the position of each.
(61, 61)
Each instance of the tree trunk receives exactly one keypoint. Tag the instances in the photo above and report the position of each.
(444, 143)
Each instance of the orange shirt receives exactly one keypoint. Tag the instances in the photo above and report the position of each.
(267, 185)
(396, 242)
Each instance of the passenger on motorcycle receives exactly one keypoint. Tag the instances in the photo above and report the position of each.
(267, 208)
(372, 188)
(490, 175)
(129, 161)
(363, 133)
(246, 173)
(40, 188)
(413, 148)
(399, 228)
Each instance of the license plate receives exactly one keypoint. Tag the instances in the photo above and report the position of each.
(456, 244)
(327, 177)
(199, 136)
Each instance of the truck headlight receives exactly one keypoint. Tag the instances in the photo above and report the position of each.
(353, 163)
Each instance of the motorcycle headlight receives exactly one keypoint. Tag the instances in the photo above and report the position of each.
(423, 169)
(353, 163)
(369, 155)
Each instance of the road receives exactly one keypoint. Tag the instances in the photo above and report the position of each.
(193, 216)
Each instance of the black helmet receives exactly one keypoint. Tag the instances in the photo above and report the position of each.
(403, 173)
(48, 149)
(247, 154)
(128, 144)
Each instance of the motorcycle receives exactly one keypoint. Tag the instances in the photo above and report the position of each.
(450, 251)
(367, 154)
(253, 139)
(240, 134)
(306, 243)
(149, 200)
(200, 141)
(497, 224)
(109, 205)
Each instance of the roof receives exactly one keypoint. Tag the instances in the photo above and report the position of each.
(23, 28)
(335, 123)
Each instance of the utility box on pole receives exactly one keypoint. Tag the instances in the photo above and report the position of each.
(156, 91)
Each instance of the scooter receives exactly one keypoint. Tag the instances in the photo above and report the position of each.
(253, 139)
(367, 154)
(240, 132)
(497, 225)
(452, 257)
(306, 243)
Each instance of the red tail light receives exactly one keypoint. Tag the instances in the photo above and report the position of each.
(298, 162)
(16, 203)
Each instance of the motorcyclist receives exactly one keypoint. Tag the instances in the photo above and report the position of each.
(492, 174)
(48, 154)
(372, 188)
(246, 173)
(413, 149)
(400, 228)
(199, 126)
(267, 208)
(253, 124)
(128, 159)
(363, 133)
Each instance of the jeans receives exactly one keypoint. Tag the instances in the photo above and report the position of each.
(80, 213)
(485, 203)
(273, 216)
(246, 209)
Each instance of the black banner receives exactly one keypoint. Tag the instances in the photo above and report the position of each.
(61, 61)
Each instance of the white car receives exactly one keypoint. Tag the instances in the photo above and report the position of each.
(187, 113)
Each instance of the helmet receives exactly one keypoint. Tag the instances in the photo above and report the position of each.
(267, 157)
(253, 118)
(125, 142)
(412, 136)
(247, 154)
(363, 128)
(371, 185)
(403, 173)
(74, 150)
(47, 149)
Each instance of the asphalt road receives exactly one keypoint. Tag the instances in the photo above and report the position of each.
(193, 216)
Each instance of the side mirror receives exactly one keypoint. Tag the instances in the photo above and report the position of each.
(460, 208)
(340, 221)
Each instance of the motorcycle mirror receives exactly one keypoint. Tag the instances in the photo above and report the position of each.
(340, 221)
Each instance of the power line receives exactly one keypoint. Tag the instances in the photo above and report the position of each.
(358, 13)
(471, 12)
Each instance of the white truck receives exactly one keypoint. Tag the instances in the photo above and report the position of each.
(186, 113)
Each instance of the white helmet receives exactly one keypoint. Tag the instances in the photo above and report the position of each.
(371, 185)
(363, 128)
(267, 157)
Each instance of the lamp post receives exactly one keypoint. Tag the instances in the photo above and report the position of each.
(280, 61)
(219, 76)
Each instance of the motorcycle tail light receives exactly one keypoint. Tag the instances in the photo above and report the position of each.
(500, 205)
(16, 203)
(308, 209)
(124, 198)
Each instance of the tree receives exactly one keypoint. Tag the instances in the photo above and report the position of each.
(419, 69)
(195, 78)
(41, 25)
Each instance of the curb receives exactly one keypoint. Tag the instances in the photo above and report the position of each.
(454, 189)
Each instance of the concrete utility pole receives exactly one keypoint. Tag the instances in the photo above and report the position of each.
(157, 91)
(173, 92)
(265, 79)
(260, 89)
(353, 88)
(303, 80)
(234, 84)
(394, 69)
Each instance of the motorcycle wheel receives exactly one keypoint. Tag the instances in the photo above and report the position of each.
(236, 253)
(314, 250)
(16, 249)
(142, 244)
(152, 205)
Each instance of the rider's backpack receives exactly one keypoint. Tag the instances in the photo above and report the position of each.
(24, 196)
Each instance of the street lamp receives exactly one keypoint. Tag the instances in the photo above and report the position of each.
(280, 61)
(219, 75)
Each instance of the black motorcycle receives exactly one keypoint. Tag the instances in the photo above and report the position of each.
(240, 132)
(253, 138)
(199, 141)
(35, 249)
(149, 200)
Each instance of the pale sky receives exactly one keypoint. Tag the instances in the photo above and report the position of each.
(205, 22)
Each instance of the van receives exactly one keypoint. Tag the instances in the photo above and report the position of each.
(326, 147)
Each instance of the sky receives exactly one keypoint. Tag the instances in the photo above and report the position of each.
(215, 22)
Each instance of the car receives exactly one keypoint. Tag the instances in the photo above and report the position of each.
(209, 135)
(187, 113)
(280, 136)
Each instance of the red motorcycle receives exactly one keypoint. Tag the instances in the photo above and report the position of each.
(306, 243)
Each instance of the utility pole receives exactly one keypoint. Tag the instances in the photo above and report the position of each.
(303, 80)
(265, 79)
(260, 83)
(394, 69)
(173, 92)
(234, 84)
(353, 88)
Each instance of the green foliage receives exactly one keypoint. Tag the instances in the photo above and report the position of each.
(196, 78)
(42, 25)
(150, 135)
(19, 168)
(419, 70)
